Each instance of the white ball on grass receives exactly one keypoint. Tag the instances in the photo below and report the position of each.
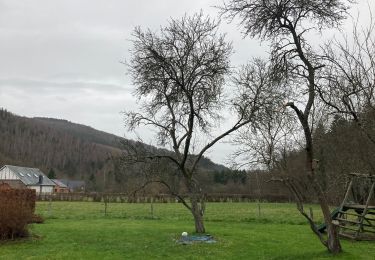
(184, 234)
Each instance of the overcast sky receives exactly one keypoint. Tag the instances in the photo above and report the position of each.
(62, 58)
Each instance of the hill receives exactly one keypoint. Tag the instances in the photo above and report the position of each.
(83, 132)
(67, 149)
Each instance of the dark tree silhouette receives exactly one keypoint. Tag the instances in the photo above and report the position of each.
(51, 174)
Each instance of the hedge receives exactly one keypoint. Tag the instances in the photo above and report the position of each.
(17, 208)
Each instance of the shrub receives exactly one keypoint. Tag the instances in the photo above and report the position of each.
(16, 211)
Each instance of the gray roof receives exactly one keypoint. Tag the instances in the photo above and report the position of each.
(59, 183)
(30, 176)
(74, 185)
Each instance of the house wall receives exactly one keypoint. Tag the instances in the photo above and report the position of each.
(59, 189)
(6, 174)
(45, 189)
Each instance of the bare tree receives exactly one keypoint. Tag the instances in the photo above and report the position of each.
(261, 142)
(179, 75)
(349, 76)
(285, 24)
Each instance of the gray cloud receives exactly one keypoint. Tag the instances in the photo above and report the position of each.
(60, 85)
(61, 58)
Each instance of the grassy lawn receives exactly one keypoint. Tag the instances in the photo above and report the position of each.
(80, 230)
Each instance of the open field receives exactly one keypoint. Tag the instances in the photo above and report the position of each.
(80, 230)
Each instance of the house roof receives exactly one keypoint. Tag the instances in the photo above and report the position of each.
(74, 185)
(30, 176)
(59, 183)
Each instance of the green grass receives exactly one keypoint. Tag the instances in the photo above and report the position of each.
(79, 230)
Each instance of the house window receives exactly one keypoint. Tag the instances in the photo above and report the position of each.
(29, 175)
(22, 174)
(35, 175)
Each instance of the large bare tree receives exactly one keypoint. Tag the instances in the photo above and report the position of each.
(179, 74)
(285, 23)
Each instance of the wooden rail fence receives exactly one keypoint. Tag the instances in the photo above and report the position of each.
(160, 198)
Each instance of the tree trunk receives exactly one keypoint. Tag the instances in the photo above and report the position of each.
(333, 242)
(197, 200)
(197, 211)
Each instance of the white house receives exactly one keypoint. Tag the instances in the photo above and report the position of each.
(31, 178)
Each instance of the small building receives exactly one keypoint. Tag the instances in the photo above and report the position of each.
(60, 187)
(75, 185)
(23, 177)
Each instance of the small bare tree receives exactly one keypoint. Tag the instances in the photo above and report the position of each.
(179, 75)
(284, 23)
(349, 76)
(261, 142)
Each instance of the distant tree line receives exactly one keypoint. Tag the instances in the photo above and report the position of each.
(224, 176)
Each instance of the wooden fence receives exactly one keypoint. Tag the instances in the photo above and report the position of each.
(160, 198)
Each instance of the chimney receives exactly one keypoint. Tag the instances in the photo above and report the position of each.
(40, 179)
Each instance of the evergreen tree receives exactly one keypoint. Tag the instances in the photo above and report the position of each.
(51, 174)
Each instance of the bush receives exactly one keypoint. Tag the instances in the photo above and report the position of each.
(16, 211)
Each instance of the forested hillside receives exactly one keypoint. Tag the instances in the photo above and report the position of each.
(54, 144)
(83, 132)
(341, 147)
(80, 152)
(69, 150)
